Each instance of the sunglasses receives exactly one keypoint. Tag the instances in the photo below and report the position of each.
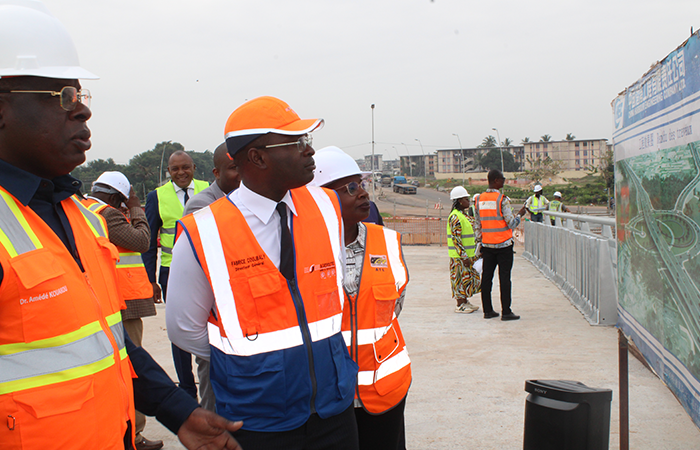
(69, 96)
(353, 187)
(301, 144)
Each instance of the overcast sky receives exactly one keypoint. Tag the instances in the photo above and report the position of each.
(175, 70)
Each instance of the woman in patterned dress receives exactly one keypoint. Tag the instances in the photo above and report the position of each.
(464, 278)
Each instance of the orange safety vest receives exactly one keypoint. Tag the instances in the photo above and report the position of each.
(370, 327)
(494, 229)
(131, 272)
(266, 333)
(66, 377)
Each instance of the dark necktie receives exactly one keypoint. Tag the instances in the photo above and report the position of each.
(187, 196)
(286, 246)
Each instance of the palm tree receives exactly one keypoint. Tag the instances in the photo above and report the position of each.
(489, 142)
(507, 143)
(525, 140)
(570, 136)
(545, 138)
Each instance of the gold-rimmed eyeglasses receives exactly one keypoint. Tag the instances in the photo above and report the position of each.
(301, 143)
(69, 96)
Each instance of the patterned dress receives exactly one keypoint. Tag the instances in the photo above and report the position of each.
(464, 279)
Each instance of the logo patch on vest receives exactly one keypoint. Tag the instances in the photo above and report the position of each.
(326, 270)
(378, 261)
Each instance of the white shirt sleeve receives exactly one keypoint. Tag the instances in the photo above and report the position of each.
(190, 299)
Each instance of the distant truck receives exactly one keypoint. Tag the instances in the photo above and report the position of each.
(405, 189)
(386, 180)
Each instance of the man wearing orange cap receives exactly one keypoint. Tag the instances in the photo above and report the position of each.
(264, 303)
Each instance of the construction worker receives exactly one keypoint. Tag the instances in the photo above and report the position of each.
(461, 247)
(131, 235)
(493, 230)
(375, 286)
(537, 203)
(66, 364)
(255, 288)
(557, 205)
(164, 207)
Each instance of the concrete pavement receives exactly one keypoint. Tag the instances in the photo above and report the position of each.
(469, 373)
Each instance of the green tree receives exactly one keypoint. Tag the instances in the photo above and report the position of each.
(570, 137)
(492, 160)
(545, 138)
(542, 168)
(488, 142)
(525, 140)
(507, 143)
(608, 170)
(90, 171)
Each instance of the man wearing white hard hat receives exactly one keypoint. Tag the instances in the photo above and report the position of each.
(131, 235)
(557, 205)
(461, 247)
(374, 286)
(536, 203)
(68, 368)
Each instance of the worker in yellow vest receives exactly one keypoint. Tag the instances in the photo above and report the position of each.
(131, 235)
(164, 207)
(537, 203)
(461, 247)
(375, 286)
(557, 205)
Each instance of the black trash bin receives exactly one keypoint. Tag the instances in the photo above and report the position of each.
(566, 415)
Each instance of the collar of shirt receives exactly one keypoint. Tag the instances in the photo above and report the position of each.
(262, 207)
(178, 188)
(24, 185)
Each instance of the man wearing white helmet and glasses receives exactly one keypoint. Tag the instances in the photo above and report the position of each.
(66, 363)
(374, 286)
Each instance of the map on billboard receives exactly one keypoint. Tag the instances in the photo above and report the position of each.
(657, 186)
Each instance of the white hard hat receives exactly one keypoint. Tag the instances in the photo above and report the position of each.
(333, 164)
(557, 194)
(116, 180)
(538, 188)
(458, 192)
(35, 43)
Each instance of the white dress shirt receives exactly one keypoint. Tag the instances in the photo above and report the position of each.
(181, 192)
(190, 297)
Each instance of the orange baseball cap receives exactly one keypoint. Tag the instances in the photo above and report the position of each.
(264, 115)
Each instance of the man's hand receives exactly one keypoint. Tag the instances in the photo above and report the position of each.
(133, 200)
(204, 430)
(157, 293)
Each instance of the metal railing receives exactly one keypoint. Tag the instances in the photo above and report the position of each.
(581, 262)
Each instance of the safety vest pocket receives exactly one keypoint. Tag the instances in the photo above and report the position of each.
(256, 385)
(44, 296)
(345, 367)
(385, 296)
(44, 413)
(328, 302)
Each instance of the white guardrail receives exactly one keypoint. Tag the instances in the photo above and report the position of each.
(581, 262)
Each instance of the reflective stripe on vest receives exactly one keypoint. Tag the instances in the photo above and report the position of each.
(468, 241)
(95, 222)
(494, 229)
(555, 205)
(170, 210)
(370, 327)
(85, 351)
(15, 234)
(234, 341)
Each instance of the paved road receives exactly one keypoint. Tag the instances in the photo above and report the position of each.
(469, 373)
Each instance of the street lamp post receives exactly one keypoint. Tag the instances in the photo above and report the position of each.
(372, 164)
(422, 153)
(461, 149)
(500, 150)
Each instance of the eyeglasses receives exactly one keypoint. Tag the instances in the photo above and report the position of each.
(69, 96)
(301, 144)
(353, 187)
